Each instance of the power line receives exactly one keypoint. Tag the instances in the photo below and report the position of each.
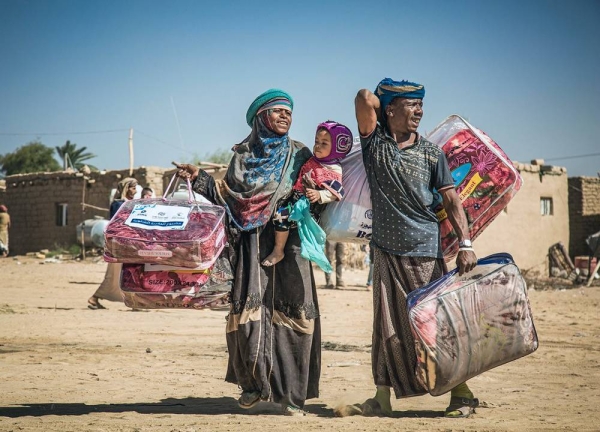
(163, 142)
(573, 157)
(61, 133)
(95, 132)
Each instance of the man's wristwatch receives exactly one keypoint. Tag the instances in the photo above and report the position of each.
(465, 244)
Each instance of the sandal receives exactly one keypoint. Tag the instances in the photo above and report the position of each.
(94, 304)
(465, 406)
(248, 399)
(291, 411)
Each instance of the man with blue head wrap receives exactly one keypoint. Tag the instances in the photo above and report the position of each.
(388, 89)
(403, 169)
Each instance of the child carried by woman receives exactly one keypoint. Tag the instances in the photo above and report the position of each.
(320, 181)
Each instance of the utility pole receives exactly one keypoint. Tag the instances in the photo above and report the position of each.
(130, 151)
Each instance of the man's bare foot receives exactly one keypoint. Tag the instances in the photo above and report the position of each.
(273, 259)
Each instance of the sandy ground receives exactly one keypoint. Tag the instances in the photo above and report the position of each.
(64, 367)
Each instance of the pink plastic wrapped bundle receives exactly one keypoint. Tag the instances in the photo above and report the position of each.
(484, 177)
(204, 300)
(466, 325)
(170, 232)
(151, 286)
(162, 279)
(157, 278)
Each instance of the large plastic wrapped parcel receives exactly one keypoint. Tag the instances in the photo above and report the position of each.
(170, 232)
(484, 177)
(466, 325)
(156, 286)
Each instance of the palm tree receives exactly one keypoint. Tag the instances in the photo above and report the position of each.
(71, 155)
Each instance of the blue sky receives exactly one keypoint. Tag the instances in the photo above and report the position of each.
(183, 73)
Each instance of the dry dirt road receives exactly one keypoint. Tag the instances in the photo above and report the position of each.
(64, 367)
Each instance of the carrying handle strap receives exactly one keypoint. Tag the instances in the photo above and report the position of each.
(191, 197)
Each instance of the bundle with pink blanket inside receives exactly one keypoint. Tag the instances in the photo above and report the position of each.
(170, 232)
(208, 300)
(156, 286)
(484, 177)
(466, 325)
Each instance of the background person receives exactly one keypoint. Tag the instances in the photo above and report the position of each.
(109, 288)
(369, 261)
(4, 226)
(147, 193)
(336, 252)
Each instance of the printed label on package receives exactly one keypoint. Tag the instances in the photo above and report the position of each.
(158, 217)
(155, 253)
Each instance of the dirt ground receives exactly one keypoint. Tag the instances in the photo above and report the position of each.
(64, 367)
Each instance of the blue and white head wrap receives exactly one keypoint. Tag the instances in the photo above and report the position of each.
(388, 89)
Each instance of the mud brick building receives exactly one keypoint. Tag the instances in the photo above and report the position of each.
(45, 208)
(584, 212)
(535, 219)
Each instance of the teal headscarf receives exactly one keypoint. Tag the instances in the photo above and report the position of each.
(271, 98)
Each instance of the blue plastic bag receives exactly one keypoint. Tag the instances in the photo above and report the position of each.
(312, 236)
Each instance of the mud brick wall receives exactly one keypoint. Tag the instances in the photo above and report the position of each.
(584, 212)
(33, 201)
(521, 229)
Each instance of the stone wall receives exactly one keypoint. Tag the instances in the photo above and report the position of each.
(34, 201)
(2, 191)
(522, 230)
(584, 212)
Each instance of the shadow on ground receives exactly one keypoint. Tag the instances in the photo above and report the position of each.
(206, 406)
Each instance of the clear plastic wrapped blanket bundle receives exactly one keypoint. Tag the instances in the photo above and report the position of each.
(173, 253)
(484, 177)
(466, 325)
(152, 286)
(169, 232)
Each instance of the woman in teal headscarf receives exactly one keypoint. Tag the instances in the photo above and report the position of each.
(273, 328)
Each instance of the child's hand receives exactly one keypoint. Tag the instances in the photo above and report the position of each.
(307, 181)
(313, 195)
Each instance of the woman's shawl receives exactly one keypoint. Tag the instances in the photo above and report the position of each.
(261, 173)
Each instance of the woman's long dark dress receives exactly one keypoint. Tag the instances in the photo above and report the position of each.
(273, 328)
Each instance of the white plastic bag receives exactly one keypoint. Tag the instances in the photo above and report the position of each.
(350, 220)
